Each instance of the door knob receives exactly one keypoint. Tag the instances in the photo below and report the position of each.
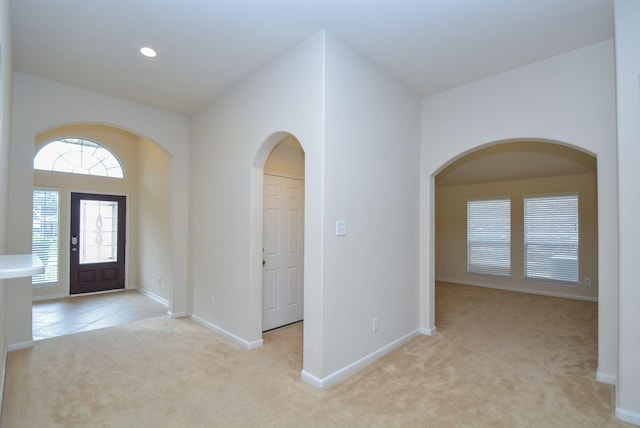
(264, 262)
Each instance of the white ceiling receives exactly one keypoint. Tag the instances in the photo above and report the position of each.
(206, 46)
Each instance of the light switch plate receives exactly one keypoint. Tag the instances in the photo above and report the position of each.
(341, 228)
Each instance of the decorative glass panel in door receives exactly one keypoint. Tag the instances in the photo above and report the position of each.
(99, 231)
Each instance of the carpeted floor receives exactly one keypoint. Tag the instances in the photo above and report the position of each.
(500, 359)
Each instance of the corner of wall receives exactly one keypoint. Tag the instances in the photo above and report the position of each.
(3, 348)
(5, 116)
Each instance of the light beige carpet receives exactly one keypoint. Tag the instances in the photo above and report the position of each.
(500, 359)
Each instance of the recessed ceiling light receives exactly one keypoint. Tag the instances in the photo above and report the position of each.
(148, 52)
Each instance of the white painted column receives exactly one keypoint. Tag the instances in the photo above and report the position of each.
(627, 31)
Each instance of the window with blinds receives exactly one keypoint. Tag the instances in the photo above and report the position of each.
(551, 238)
(489, 237)
(45, 234)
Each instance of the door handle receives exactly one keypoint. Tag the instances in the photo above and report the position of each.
(264, 262)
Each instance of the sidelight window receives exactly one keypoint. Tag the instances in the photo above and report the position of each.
(45, 234)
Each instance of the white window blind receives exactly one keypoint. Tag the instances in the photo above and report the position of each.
(489, 237)
(45, 232)
(551, 238)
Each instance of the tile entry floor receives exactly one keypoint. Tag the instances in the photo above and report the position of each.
(60, 317)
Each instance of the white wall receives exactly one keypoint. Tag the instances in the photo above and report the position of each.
(230, 142)
(359, 132)
(627, 15)
(155, 270)
(40, 105)
(568, 98)
(371, 166)
(5, 118)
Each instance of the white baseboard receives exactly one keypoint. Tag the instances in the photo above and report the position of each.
(428, 331)
(2, 377)
(357, 365)
(518, 290)
(606, 378)
(18, 346)
(182, 314)
(153, 296)
(311, 379)
(48, 297)
(240, 341)
(627, 416)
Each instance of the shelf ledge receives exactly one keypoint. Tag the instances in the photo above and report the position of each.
(20, 265)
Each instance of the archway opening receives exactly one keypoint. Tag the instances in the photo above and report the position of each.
(283, 236)
(518, 216)
(145, 189)
(278, 169)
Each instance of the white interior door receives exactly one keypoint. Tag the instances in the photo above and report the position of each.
(283, 253)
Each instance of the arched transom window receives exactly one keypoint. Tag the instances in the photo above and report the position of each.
(78, 156)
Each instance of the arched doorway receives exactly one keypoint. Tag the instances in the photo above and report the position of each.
(290, 152)
(283, 236)
(521, 175)
(517, 176)
(145, 185)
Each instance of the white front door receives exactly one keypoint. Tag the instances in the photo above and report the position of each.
(283, 254)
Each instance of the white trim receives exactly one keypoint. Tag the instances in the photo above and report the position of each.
(95, 293)
(520, 290)
(357, 365)
(21, 345)
(311, 379)
(628, 416)
(606, 378)
(428, 331)
(240, 341)
(3, 374)
(47, 297)
(178, 314)
(152, 295)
